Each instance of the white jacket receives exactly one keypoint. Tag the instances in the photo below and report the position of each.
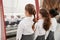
(25, 27)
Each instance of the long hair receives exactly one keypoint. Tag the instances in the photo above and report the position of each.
(53, 12)
(46, 16)
(31, 9)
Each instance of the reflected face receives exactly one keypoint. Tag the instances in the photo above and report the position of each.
(40, 16)
(12, 16)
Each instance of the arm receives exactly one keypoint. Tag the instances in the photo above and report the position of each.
(36, 32)
(19, 31)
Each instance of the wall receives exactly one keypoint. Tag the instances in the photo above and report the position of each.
(12, 7)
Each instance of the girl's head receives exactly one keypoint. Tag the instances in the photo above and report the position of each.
(45, 15)
(29, 10)
(12, 16)
(53, 12)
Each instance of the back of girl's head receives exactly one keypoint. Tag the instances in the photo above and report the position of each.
(44, 13)
(30, 8)
(53, 12)
(46, 16)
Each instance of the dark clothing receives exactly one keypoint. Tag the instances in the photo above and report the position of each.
(12, 23)
(50, 36)
(6, 23)
(27, 37)
(41, 37)
(18, 22)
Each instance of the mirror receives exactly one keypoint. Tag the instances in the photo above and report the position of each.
(13, 11)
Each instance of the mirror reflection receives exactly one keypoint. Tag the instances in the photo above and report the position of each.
(14, 12)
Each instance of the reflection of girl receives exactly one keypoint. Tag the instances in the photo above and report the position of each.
(25, 28)
(53, 13)
(42, 25)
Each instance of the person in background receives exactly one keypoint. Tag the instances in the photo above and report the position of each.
(43, 25)
(53, 14)
(25, 29)
(18, 19)
(6, 20)
(12, 21)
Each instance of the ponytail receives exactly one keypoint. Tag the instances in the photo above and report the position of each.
(31, 9)
(46, 16)
(34, 12)
(47, 23)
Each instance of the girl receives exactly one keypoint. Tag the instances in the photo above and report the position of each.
(53, 14)
(42, 25)
(25, 29)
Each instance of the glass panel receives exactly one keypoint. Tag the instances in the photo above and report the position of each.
(14, 10)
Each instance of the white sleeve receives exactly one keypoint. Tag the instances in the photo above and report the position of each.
(36, 32)
(19, 31)
(54, 27)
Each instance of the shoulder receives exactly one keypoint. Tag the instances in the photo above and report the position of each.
(53, 20)
(39, 23)
(22, 21)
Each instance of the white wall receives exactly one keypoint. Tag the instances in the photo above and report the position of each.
(12, 7)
